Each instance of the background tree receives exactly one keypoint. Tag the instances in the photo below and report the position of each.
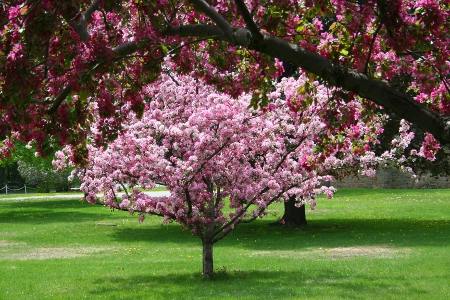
(35, 171)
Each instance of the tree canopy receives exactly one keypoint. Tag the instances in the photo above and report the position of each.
(61, 59)
(224, 163)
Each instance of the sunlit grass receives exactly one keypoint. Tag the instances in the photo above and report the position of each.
(381, 244)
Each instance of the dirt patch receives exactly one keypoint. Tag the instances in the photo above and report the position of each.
(105, 224)
(336, 253)
(366, 251)
(281, 253)
(53, 253)
(7, 234)
(4, 244)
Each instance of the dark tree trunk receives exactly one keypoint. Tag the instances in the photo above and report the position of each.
(208, 266)
(293, 215)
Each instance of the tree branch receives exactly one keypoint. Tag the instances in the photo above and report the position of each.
(243, 211)
(198, 30)
(80, 25)
(334, 74)
(208, 158)
(366, 67)
(251, 25)
(120, 51)
(208, 10)
(225, 229)
(377, 91)
(59, 99)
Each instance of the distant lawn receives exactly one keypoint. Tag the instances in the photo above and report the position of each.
(17, 195)
(378, 244)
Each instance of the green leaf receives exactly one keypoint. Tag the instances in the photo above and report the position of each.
(164, 48)
(344, 52)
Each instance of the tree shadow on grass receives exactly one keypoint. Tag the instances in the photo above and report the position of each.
(54, 211)
(323, 283)
(47, 216)
(319, 233)
(343, 233)
(158, 233)
(45, 204)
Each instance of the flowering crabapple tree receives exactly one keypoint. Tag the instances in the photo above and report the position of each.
(222, 162)
(59, 57)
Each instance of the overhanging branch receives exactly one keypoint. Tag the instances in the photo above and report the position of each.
(377, 91)
(119, 51)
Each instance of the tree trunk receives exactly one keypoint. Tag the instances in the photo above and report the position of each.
(208, 266)
(293, 215)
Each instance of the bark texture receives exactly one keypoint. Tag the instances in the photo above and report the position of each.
(208, 263)
(293, 215)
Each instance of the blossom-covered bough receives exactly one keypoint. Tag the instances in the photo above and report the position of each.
(59, 57)
(224, 163)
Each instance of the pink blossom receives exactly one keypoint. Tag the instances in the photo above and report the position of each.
(430, 147)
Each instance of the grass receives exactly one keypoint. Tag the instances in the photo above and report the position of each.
(384, 244)
(16, 195)
(53, 194)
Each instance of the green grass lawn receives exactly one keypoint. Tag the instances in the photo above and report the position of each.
(75, 193)
(379, 244)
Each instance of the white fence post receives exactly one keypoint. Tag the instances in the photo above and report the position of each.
(6, 189)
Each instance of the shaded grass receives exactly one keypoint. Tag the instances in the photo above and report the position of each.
(257, 260)
(75, 193)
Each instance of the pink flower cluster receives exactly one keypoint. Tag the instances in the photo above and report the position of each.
(211, 151)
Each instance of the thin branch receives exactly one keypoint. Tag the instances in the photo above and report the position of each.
(168, 73)
(124, 188)
(212, 13)
(121, 51)
(80, 25)
(197, 30)
(127, 210)
(207, 160)
(244, 210)
(218, 197)
(60, 98)
(251, 25)
(420, 54)
(236, 218)
(225, 229)
(91, 9)
(372, 43)
(286, 155)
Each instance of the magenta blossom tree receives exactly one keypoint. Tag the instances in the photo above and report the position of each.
(222, 162)
(57, 58)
